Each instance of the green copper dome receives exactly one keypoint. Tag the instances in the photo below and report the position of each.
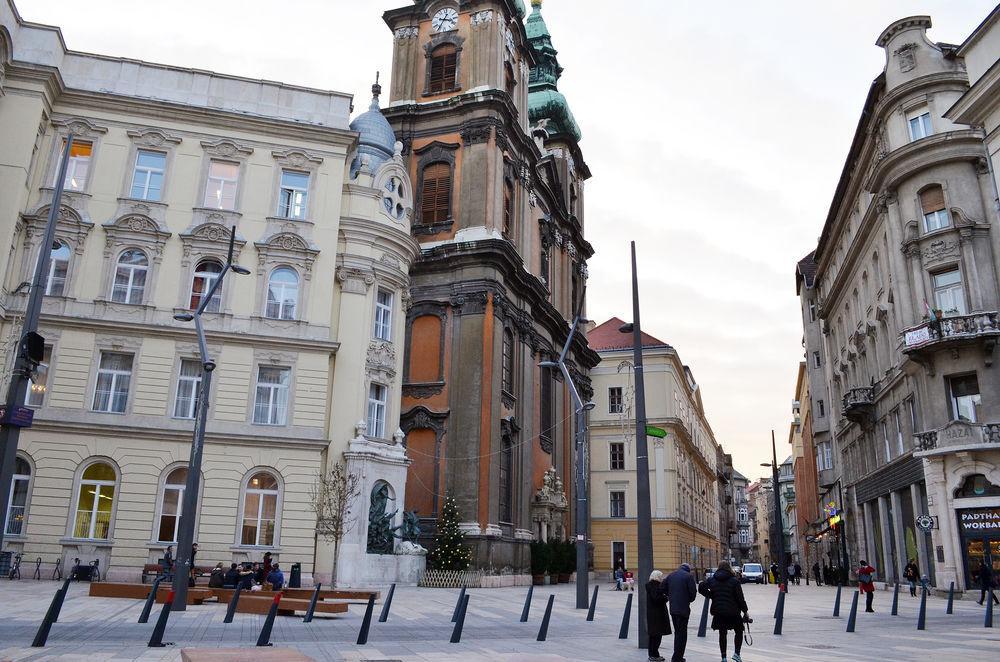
(545, 101)
(519, 4)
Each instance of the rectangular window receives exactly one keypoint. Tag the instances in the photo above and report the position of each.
(188, 387)
(821, 409)
(383, 315)
(913, 416)
(933, 208)
(920, 126)
(885, 440)
(293, 193)
(270, 405)
(949, 296)
(617, 503)
(147, 176)
(113, 378)
(617, 460)
(615, 403)
(899, 432)
(965, 398)
(377, 398)
(543, 261)
(220, 189)
(812, 311)
(78, 167)
(817, 361)
(39, 382)
(508, 207)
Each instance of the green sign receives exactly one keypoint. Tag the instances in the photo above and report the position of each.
(654, 431)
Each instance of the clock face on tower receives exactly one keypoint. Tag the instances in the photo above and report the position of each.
(445, 20)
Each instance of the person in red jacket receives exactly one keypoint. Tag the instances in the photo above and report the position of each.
(866, 582)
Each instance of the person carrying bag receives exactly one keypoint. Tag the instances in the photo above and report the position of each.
(729, 608)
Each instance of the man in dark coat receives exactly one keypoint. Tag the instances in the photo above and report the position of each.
(681, 590)
(729, 607)
(985, 577)
(816, 573)
(657, 624)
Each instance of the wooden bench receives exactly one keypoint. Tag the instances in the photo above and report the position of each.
(195, 596)
(226, 594)
(254, 604)
(154, 570)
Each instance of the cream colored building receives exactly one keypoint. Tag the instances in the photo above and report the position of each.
(308, 346)
(683, 482)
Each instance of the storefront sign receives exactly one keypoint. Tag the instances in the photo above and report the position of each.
(980, 520)
(918, 336)
(925, 523)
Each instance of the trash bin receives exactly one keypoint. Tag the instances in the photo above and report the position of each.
(295, 579)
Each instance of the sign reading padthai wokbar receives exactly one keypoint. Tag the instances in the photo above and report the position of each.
(980, 520)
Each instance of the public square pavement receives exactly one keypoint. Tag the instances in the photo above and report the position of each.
(419, 628)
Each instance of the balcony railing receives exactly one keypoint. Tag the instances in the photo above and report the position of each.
(957, 434)
(859, 403)
(959, 328)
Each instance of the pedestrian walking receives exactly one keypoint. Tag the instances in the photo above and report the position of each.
(774, 572)
(911, 573)
(619, 578)
(657, 622)
(866, 582)
(798, 574)
(816, 573)
(680, 590)
(790, 570)
(985, 577)
(729, 608)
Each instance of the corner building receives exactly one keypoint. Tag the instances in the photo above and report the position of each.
(493, 151)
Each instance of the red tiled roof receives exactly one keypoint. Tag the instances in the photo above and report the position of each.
(606, 337)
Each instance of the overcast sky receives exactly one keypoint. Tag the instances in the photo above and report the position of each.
(715, 132)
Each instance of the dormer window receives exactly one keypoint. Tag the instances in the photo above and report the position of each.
(444, 68)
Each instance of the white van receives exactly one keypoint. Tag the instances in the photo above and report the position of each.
(753, 572)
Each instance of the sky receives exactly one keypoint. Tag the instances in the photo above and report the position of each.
(715, 133)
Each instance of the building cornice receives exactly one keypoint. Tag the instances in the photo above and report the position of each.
(920, 155)
(979, 101)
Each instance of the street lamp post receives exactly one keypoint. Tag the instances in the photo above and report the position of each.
(842, 536)
(189, 509)
(782, 568)
(644, 516)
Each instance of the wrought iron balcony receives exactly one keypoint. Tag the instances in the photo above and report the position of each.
(957, 435)
(958, 329)
(859, 404)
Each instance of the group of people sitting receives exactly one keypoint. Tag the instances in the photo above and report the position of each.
(260, 576)
(624, 579)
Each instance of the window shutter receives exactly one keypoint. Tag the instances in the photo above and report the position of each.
(932, 199)
(436, 193)
(444, 65)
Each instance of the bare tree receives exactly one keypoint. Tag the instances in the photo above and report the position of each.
(332, 495)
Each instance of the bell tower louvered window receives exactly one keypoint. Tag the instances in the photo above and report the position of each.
(435, 195)
(444, 67)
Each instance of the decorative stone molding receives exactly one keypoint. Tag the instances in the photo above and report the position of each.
(470, 528)
(423, 391)
(906, 57)
(120, 343)
(286, 248)
(492, 531)
(476, 134)
(422, 418)
(80, 127)
(296, 158)
(469, 303)
(226, 148)
(274, 357)
(940, 250)
(437, 40)
(380, 363)
(408, 32)
(135, 230)
(481, 17)
(524, 534)
(152, 137)
(355, 281)
(220, 217)
(548, 505)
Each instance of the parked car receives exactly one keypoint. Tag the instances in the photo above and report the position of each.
(752, 572)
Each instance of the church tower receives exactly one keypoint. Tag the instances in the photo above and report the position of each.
(493, 151)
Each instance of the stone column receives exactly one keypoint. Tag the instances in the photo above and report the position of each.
(922, 560)
(871, 512)
(897, 524)
(884, 524)
(945, 534)
(895, 264)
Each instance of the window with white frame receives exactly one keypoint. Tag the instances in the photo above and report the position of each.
(171, 505)
(114, 375)
(933, 209)
(78, 167)
(17, 502)
(817, 361)
(205, 275)
(38, 384)
(821, 409)
(130, 277)
(220, 189)
(742, 515)
(147, 175)
(95, 502)
(616, 503)
(260, 510)
(616, 404)
(270, 405)
(616, 450)
(920, 125)
(282, 294)
(966, 401)
(383, 315)
(885, 440)
(744, 537)
(293, 193)
(188, 388)
(55, 282)
(899, 432)
(377, 401)
(949, 295)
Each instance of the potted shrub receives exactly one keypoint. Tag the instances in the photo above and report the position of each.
(564, 561)
(555, 561)
(570, 559)
(539, 562)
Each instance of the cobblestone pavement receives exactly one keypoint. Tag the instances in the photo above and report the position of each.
(419, 628)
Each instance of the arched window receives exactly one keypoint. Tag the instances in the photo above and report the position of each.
(130, 277)
(171, 504)
(506, 480)
(55, 283)
(17, 503)
(282, 294)
(205, 275)
(977, 485)
(435, 194)
(508, 207)
(932, 206)
(509, 81)
(444, 67)
(260, 510)
(95, 501)
(507, 379)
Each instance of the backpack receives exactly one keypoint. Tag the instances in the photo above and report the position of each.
(865, 578)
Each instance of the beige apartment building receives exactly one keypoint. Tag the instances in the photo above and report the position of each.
(165, 161)
(682, 465)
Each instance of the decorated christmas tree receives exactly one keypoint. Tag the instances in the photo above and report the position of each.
(450, 552)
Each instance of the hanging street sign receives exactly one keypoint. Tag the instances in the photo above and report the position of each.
(925, 523)
(654, 431)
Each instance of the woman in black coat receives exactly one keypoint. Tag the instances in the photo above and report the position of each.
(657, 621)
(729, 607)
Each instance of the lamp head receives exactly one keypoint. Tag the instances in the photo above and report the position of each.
(184, 317)
(589, 406)
(243, 271)
(548, 364)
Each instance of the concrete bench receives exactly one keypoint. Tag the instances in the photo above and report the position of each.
(195, 596)
(361, 596)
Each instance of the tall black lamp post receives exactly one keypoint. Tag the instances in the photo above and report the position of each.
(778, 529)
(189, 510)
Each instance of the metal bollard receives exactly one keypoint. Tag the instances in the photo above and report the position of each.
(593, 605)
(836, 604)
(315, 597)
(853, 618)
(779, 613)
(458, 605)
(156, 640)
(951, 599)
(527, 604)
(61, 594)
(623, 632)
(703, 624)
(922, 616)
(367, 621)
(456, 633)
(384, 616)
(543, 631)
(895, 601)
(146, 608)
(231, 610)
(988, 623)
(265, 632)
(50, 616)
